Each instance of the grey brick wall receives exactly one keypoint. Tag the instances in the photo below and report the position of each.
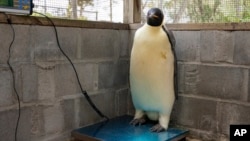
(213, 80)
(51, 101)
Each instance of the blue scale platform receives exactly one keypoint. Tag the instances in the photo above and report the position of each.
(119, 129)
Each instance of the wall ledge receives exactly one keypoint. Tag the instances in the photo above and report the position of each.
(42, 21)
(202, 26)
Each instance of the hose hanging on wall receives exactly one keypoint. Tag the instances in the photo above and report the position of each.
(73, 66)
(13, 74)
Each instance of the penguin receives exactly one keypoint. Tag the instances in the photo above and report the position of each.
(153, 72)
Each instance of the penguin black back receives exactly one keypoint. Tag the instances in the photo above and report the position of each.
(172, 41)
(154, 17)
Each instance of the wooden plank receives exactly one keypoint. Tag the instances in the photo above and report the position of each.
(137, 11)
(126, 11)
(210, 26)
(32, 20)
(132, 11)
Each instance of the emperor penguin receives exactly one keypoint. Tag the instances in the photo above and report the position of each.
(153, 74)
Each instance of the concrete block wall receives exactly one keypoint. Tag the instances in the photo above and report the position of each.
(51, 101)
(213, 82)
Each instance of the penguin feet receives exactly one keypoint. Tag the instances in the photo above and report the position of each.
(157, 128)
(138, 121)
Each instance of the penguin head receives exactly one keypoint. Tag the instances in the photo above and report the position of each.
(154, 17)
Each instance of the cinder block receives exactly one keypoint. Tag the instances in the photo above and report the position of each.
(99, 43)
(214, 81)
(25, 125)
(44, 44)
(6, 88)
(53, 119)
(248, 86)
(242, 50)
(37, 122)
(87, 115)
(58, 137)
(21, 48)
(188, 77)
(231, 113)
(191, 78)
(131, 40)
(224, 46)
(187, 113)
(7, 123)
(131, 108)
(121, 102)
(48, 52)
(208, 46)
(217, 46)
(5, 42)
(65, 79)
(121, 74)
(221, 82)
(187, 45)
(106, 75)
(181, 78)
(69, 39)
(223, 137)
(124, 43)
(105, 102)
(201, 135)
(88, 74)
(29, 83)
(113, 75)
(68, 108)
(46, 83)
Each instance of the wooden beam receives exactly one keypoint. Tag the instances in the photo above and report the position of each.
(132, 11)
(32, 20)
(202, 26)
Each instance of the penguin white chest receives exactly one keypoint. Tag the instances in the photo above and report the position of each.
(151, 71)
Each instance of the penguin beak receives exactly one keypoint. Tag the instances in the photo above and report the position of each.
(153, 16)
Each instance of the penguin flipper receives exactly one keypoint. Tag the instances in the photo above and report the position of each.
(170, 36)
(172, 41)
